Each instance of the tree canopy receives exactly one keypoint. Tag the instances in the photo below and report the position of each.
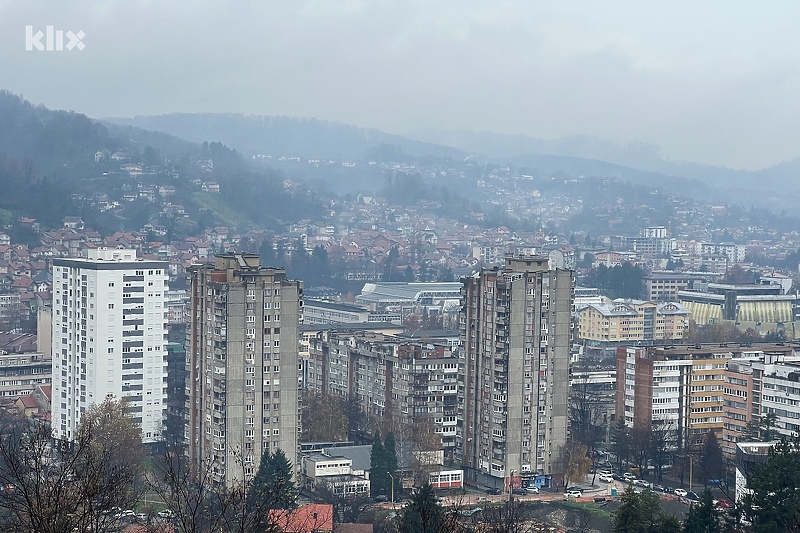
(773, 500)
(67, 486)
(641, 513)
(273, 482)
(704, 517)
(425, 514)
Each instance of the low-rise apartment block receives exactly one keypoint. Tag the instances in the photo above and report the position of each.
(604, 326)
(411, 381)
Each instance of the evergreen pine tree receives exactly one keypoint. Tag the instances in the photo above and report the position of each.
(390, 451)
(641, 513)
(711, 462)
(773, 505)
(377, 467)
(424, 514)
(273, 485)
(703, 517)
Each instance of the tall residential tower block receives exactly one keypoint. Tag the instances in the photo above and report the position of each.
(109, 338)
(516, 331)
(242, 366)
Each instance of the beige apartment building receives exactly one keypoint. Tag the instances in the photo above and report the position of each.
(604, 326)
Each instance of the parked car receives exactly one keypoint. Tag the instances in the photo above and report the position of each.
(692, 496)
(724, 504)
(494, 491)
(572, 494)
(606, 479)
(166, 513)
(533, 490)
(574, 488)
(658, 488)
(606, 471)
(629, 476)
(381, 498)
(519, 491)
(617, 477)
(641, 483)
(680, 492)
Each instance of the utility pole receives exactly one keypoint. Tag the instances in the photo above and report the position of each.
(392, 478)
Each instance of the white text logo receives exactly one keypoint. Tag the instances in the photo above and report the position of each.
(53, 40)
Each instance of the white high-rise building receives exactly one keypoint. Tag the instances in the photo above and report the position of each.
(109, 338)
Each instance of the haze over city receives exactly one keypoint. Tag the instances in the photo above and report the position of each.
(712, 83)
(399, 267)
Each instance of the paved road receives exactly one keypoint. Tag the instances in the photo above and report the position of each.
(590, 492)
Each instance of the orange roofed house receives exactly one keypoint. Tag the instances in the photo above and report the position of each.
(311, 518)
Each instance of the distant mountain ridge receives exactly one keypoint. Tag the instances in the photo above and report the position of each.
(287, 136)
(776, 187)
(637, 155)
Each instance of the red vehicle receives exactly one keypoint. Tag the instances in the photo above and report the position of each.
(724, 504)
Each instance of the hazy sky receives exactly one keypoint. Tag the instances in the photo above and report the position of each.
(715, 82)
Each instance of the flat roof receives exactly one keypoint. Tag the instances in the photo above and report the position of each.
(99, 264)
(345, 326)
(324, 304)
(408, 291)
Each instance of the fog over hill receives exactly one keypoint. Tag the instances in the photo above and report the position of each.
(306, 138)
(775, 187)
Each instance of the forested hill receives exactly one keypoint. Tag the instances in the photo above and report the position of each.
(286, 136)
(48, 136)
(57, 163)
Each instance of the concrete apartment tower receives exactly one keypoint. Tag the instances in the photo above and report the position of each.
(516, 328)
(109, 331)
(241, 356)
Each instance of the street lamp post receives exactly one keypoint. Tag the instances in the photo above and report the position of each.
(691, 463)
(392, 478)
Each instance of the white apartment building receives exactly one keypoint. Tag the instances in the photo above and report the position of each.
(780, 395)
(109, 338)
(734, 252)
(652, 388)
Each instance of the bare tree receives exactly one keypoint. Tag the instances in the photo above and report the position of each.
(200, 502)
(512, 516)
(60, 487)
(586, 409)
(324, 417)
(183, 487)
(574, 461)
(663, 443)
(641, 445)
(346, 506)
